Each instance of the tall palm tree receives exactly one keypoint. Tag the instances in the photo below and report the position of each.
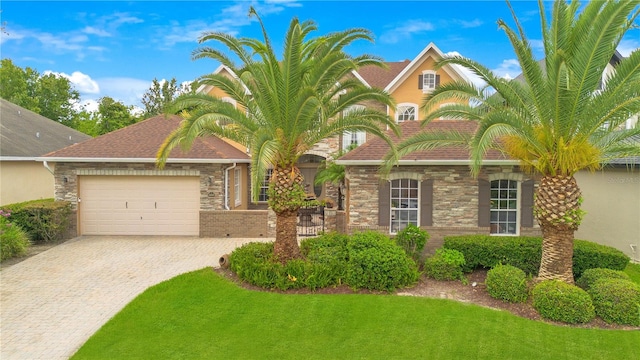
(555, 120)
(286, 106)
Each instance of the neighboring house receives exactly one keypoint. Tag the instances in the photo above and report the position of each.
(612, 205)
(115, 187)
(24, 136)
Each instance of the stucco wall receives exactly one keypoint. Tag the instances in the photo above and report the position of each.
(612, 205)
(23, 181)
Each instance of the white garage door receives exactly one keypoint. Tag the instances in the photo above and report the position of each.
(139, 205)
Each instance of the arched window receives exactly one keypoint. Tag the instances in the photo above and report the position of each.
(406, 112)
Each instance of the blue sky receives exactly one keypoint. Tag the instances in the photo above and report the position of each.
(117, 48)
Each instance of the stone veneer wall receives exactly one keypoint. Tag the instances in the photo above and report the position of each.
(455, 198)
(211, 178)
(234, 224)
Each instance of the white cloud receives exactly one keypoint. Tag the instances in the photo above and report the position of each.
(81, 82)
(469, 24)
(95, 31)
(508, 69)
(405, 31)
(626, 47)
(475, 79)
(127, 90)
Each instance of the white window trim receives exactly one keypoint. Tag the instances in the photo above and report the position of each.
(401, 105)
(262, 186)
(426, 89)
(518, 178)
(237, 186)
(391, 208)
(347, 136)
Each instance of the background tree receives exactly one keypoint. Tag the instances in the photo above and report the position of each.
(161, 93)
(49, 95)
(113, 115)
(556, 121)
(285, 106)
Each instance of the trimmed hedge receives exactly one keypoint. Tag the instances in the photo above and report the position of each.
(412, 239)
(366, 260)
(446, 264)
(43, 220)
(13, 240)
(591, 276)
(525, 252)
(559, 301)
(507, 283)
(617, 301)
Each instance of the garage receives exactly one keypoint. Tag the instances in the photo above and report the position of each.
(139, 205)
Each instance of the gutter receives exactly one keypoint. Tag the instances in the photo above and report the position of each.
(226, 185)
(142, 160)
(425, 162)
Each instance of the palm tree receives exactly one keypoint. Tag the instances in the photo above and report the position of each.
(555, 120)
(285, 107)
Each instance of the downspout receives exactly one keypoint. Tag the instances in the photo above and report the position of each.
(226, 185)
(47, 167)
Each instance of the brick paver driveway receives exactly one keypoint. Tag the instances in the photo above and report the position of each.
(53, 302)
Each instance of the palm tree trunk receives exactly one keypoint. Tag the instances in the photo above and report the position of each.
(557, 209)
(285, 200)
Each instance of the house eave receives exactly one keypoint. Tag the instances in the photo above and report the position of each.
(424, 162)
(141, 160)
(18, 158)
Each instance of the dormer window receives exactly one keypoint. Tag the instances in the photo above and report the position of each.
(406, 112)
(428, 81)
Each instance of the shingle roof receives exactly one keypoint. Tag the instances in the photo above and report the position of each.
(142, 141)
(379, 77)
(24, 133)
(376, 149)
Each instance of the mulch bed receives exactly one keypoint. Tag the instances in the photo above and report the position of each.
(474, 292)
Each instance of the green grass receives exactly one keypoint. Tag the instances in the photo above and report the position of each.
(201, 315)
(633, 270)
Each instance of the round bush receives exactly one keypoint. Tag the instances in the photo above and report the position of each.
(617, 301)
(377, 263)
(508, 283)
(13, 240)
(559, 301)
(446, 264)
(412, 239)
(591, 276)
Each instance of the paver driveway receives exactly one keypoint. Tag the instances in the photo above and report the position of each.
(53, 302)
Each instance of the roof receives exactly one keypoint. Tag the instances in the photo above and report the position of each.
(140, 143)
(380, 77)
(25, 134)
(372, 151)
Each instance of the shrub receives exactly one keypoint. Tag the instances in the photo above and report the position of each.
(13, 240)
(508, 283)
(590, 276)
(412, 239)
(377, 263)
(44, 220)
(525, 253)
(559, 301)
(617, 301)
(446, 264)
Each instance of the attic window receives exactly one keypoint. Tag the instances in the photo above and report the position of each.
(406, 112)
(428, 81)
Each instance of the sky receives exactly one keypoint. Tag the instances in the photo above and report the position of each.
(116, 48)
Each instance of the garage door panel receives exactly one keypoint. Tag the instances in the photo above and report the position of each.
(139, 205)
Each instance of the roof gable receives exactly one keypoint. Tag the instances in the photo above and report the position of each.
(27, 134)
(140, 143)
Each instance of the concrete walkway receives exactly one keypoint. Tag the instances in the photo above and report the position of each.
(51, 303)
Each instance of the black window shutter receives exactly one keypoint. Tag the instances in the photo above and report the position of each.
(420, 80)
(426, 203)
(484, 203)
(526, 205)
(437, 80)
(384, 206)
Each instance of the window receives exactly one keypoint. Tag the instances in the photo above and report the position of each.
(504, 207)
(352, 139)
(404, 204)
(237, 173)
(428, 81)
(406, 112)
(264, 196)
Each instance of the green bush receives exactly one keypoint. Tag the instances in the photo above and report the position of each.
(616, 301)
(559, 301)
(446, 264)
(13, 240)
(591, 276)
(508, 283)
(377, 263)
(525, 253)
(412, 239)
(44, 220)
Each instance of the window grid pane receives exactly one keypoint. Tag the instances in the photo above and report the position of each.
(504, 206)
(429, 81)
(404, 204)
(265, 186)
(406, 113)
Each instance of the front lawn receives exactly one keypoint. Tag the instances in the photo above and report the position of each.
(201, 315)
